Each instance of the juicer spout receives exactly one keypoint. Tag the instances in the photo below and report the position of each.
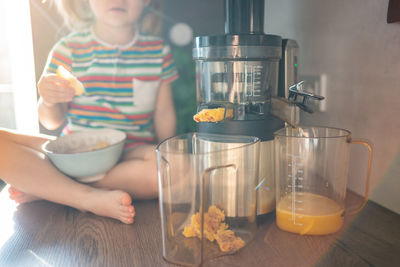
(288, 110)
(296, 91)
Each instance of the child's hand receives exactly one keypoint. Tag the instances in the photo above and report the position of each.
(54, 90)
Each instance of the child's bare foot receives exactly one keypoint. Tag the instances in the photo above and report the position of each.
(115, 204)
(20, 197)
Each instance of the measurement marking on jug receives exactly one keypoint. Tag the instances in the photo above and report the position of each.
(296, 175)
(294, 222)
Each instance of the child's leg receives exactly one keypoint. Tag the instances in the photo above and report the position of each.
(34, 143)
(136, 174)
(25, 167)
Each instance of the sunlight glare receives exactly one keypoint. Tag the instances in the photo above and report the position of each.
(19, 36)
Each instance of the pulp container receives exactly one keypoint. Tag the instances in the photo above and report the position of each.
(207, 185)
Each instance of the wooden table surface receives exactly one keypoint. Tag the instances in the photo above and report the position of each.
(46, 234)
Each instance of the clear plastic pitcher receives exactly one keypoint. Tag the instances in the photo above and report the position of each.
(207, 195)
(311, 165)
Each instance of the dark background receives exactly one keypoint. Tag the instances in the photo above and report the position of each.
(205, 17)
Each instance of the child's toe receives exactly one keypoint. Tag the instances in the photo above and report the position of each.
(125, 199)
(127, 220)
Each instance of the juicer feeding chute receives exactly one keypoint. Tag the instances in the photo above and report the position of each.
(244, 17)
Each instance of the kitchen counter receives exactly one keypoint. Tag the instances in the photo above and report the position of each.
(46, 234)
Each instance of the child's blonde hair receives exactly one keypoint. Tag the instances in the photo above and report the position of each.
(78, 16)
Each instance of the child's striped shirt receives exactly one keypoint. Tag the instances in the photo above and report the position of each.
(121, 82)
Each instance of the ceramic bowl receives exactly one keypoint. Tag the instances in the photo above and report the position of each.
(87, 155)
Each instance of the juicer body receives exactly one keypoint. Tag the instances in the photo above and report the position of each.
(249, 73)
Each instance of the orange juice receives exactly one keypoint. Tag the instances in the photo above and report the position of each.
(311, 214)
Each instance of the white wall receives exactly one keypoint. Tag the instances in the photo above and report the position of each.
(352, 44)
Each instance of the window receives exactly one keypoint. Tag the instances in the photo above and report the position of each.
(18, 94)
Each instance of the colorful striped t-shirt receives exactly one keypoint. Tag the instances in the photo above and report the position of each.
(121, 82)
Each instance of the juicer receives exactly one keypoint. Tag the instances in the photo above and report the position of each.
(253, 76)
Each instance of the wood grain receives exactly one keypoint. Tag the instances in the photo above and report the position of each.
(47, 234)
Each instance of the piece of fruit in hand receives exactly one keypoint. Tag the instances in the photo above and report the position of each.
(73, 81)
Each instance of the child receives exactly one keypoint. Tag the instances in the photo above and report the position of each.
(127, 77)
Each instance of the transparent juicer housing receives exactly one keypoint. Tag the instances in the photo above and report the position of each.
(241, 85)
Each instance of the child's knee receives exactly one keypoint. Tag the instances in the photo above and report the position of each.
(4, 137)
(3, 134)
(149, 154)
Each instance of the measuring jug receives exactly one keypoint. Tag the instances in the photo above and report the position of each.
(207, 195)
(311, 165)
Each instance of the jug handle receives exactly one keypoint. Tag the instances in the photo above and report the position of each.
(167, 180)
(366, 193)
(207, 173)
